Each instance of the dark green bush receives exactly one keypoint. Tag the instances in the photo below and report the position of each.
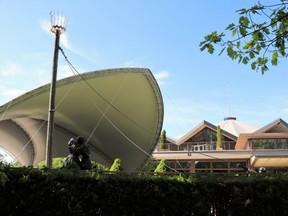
(30, 191)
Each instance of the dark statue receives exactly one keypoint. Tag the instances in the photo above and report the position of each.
(79, 154)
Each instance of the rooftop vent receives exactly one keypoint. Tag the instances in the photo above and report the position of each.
(229, 118)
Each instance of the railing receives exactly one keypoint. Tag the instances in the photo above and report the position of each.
(196, 146)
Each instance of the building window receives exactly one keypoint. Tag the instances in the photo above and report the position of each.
(268, 143)
(203, 165)
(220, 165)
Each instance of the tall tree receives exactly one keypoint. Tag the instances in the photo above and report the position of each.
(219, 143)
(162, 139)
(259, 38)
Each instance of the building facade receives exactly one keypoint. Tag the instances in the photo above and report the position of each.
(242, 148)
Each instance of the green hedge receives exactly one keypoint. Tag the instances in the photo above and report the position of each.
(30, 191)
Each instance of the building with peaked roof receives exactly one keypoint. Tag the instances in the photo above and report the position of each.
(243, 146)
(119, 112)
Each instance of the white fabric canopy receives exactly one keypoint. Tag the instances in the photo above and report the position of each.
(119, 111)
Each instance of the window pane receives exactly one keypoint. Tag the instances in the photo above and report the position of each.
(183, 164)
(234, 164)
(220, 164)
(204, 165)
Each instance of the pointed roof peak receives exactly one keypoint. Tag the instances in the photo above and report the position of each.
(275, 126)
(235, 127)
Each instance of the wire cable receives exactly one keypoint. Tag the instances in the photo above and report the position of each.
(101, 96)
(109, 105)
(31, 138)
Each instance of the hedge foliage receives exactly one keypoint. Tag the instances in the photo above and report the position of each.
(31, 191)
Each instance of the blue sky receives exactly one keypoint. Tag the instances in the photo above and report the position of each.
(161, 35)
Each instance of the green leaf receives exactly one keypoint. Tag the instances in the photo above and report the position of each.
(230, 27)
(264, 68)
(258, 48)
(244, 21)
(238, 44)
(251, 55)
(240, 58)
(243, 31)
(210, 49)
(242, 11)
(208, 37)
(262, 61)
(202, 42)
(266, 30)
(257, 35)
(204, 47)
(273, 22)
(274, 59)
(263, 44)
(253, 65)
(234, 32)
(231, 53)
(255, 9)
(245, 60)
(250, 44)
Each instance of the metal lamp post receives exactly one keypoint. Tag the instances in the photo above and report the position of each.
(57, 27)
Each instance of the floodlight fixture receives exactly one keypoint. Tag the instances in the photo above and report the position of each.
(58, 22)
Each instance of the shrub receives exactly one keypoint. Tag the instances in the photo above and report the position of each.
(116, 166)
(162, 167)
(31, 191)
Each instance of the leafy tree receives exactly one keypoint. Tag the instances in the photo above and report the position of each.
(116, 166)
(162, 167)
(259, 38)
(219, 143)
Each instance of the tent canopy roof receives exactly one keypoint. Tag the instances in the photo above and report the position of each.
(118, 111)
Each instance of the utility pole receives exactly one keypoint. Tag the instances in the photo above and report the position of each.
(57, 27)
